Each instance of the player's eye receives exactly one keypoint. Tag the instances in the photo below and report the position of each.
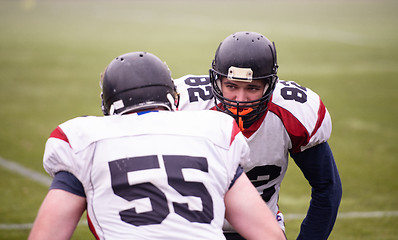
(231, 86)
(253, 88)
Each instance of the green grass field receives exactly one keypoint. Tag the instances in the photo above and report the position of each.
(52, 53)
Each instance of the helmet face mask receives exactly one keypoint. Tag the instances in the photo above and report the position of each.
(137, 81)
(244, 56)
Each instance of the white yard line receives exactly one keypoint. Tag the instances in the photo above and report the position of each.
(376, 214)
(29, 225)
(45, 180)
(26, 172)
(348, 215)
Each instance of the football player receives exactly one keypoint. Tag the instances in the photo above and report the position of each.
(277, 118)
(147, 172)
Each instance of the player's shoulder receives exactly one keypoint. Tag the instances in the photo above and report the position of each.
(295, 98)
(195, 92)
(82, 131)
(302, 112)
(81, 123)
(191, 80)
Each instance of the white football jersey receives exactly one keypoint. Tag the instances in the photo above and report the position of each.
(296, 120)
(158, 175)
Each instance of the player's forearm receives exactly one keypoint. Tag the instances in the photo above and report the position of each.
(248, 213)
(58, 215)
(319, 168)
(321, 214)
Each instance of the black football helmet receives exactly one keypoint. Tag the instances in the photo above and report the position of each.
(137, 81)
(244, 56)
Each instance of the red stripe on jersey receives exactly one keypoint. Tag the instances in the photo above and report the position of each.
(91, 227)
(235, 131)
(254, 127)
(297, 132)
(321, 116)
(58, 133)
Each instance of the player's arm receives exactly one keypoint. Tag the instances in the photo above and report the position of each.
(248, 213)
(61, 209)
(58, 215)
(319, 168)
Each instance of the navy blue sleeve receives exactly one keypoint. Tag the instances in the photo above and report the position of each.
(319, 168)
(68, 182)
(239, 172)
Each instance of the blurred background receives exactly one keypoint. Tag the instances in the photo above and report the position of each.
(52, 53)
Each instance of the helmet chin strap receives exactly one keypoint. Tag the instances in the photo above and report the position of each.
(241, 112)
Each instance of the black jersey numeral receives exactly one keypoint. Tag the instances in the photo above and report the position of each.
(120, 168)
(293, 91)
(262, 175)
(195, 91)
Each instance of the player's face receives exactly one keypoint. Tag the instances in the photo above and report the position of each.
(242, 91)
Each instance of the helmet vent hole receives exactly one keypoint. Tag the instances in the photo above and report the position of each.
(141, 55)
(121, 59)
